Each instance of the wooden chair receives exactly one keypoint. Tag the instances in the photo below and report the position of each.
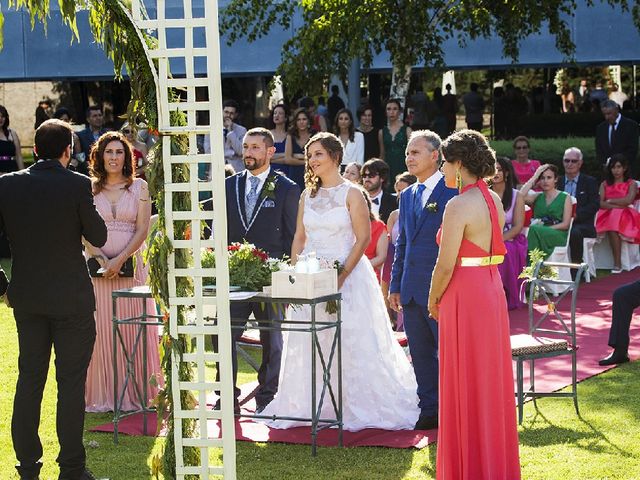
(550, 335)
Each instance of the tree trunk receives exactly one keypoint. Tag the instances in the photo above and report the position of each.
(400, 80)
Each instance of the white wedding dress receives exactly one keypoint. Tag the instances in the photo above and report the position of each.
(378, 382)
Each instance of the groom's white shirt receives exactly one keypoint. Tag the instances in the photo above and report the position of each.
(262, 177)
(430, 184)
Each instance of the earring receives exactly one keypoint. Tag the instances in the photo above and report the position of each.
(458, 180)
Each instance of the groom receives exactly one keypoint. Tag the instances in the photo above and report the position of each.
(421, 209)
(262, 206)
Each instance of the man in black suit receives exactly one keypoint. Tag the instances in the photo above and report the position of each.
(51, 295)
(617, 134)
(88, 136)
(375, 174)
(585, 190)
(625, 299)
(262, 208)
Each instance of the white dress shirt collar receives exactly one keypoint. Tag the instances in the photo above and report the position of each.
(430, 184)
(262, 177)
(375, 208)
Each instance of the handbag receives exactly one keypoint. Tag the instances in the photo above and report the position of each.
(125, 271)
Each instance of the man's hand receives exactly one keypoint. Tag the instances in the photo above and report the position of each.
(227, 122)
(394, 302)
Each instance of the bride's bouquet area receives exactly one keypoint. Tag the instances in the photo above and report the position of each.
(250, 267)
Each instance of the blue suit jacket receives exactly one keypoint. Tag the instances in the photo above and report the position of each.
(273, 223)
(416, 248)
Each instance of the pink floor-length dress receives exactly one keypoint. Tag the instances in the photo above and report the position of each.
(99, 393)
(477, 434)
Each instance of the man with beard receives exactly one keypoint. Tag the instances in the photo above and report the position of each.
(375, 173)
(262, 207)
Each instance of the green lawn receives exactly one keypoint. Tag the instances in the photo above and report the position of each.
(555, 444)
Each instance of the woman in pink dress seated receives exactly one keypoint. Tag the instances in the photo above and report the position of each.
(477, 435)
(617, 217)
(522, 164)
(515, 260)
(123, 202)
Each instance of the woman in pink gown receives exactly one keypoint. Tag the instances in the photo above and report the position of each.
(477, 435)
(617, 218)
(123, 202)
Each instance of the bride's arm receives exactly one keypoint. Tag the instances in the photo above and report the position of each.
(300, 237)
(359, 213)
(453, 224)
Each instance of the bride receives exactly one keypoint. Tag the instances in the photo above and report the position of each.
(378, 383)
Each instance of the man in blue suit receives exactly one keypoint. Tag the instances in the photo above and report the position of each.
(421, 210)
(262, 207)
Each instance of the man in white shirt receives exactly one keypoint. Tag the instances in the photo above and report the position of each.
(233, 136)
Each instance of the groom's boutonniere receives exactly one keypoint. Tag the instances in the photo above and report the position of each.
(269, 189)
(432, 207)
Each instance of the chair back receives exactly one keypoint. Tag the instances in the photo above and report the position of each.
(552, 323)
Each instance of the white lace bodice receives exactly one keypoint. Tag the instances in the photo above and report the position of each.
(327, 223)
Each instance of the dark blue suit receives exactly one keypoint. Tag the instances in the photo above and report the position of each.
(271, 228)
(415, 257)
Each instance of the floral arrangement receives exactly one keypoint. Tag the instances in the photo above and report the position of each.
(269, 189)
(432, 207)
(250, 267)
(545, 272)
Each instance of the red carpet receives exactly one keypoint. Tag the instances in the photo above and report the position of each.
(593, 317)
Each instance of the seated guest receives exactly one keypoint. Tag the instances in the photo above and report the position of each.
(375, 173)
(376, 251)
(625, 299)
(616, 217)
(352, 173)
(551, 211)
(584, 189)
(403, 180)
(523, 166)
(515, 260)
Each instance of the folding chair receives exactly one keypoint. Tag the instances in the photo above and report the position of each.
(550, 335)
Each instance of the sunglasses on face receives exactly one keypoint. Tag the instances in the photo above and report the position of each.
(369, 175)
(570, 160)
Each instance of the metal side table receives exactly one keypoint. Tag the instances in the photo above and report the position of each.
(140, 346)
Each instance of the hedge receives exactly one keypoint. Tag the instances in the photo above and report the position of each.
(551, 150)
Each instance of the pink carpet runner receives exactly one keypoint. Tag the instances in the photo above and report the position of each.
(593, 317)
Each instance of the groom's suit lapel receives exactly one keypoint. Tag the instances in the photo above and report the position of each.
(241, 182)
(433, 198)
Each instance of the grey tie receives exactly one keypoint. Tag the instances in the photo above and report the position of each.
(252, 196)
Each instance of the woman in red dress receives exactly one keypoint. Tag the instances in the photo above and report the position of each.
(477, 435)
(376, 251)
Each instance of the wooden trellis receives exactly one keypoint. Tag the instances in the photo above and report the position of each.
(199, 22)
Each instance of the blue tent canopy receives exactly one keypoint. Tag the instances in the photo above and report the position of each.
(602, 34)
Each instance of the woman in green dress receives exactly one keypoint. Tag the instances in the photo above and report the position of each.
(393, 139)
(552, 210)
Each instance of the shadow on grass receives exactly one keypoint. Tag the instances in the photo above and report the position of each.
(267, 461)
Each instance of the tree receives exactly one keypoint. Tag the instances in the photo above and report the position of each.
(334, 32)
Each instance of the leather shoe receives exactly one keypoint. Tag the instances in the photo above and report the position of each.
(614, 359)
(426, 422)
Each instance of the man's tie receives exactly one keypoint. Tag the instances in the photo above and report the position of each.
(376, 201)
(252, 196)
(612, 129)
(417, 200)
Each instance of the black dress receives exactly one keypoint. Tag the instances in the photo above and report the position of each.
(371, 145)
(8, 155)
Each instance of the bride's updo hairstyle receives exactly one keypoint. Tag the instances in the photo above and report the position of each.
(334, 148)
(471, 149)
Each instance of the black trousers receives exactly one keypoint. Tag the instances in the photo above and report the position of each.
(271, 341)
(625, 300)
(580, 231)
(72, 338)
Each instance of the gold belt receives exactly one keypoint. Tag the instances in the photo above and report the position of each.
(481, 261)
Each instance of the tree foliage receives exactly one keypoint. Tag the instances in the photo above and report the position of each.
(413, 32)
